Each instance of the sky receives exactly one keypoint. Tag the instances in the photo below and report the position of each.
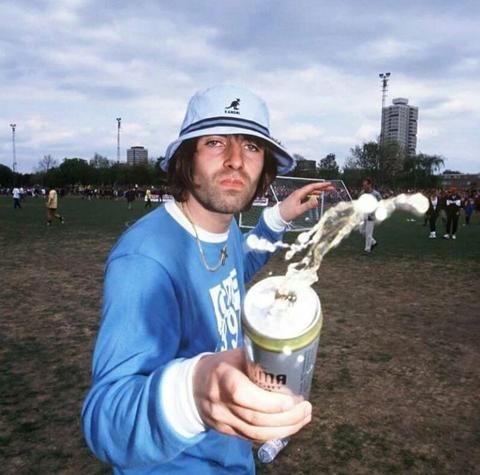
(69, 68)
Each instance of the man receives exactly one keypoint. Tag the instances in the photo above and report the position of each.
(369, 224)
(453, 206)
(148, 198)
(432, 212)
(130, 197)
(16, 198)
(52, 207)
(170, 394)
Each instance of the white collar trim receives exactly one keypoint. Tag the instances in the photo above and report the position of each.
(206, 236)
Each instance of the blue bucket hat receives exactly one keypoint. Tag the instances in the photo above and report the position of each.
(228, 110)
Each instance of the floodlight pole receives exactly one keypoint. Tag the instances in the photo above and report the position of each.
(384, 77)
(119, 121)
(14, 159)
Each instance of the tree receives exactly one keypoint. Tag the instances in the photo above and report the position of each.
(365, 157)
(46, 163)
(99, 161)
(420, 170)
(160, 177)
(75, 171)
(451, 172)
(431, 163)
(382, 162)
(391, 162)
(328, 167)
(6, 175)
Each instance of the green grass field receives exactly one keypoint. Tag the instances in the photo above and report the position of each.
(396, 384)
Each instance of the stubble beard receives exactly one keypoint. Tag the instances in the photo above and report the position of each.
(225, 201)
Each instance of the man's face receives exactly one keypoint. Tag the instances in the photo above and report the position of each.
(367, 186)
(226, 170)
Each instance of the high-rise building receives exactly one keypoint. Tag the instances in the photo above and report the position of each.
(137, 155)
(399, 122)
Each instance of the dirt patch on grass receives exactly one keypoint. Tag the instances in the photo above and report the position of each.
(396, 384)
(396, 377)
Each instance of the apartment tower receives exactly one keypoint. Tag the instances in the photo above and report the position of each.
(137, 155)
(399, 122)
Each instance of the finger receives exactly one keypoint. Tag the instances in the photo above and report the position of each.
(261, 434)
(316, 187)
(258, 426)
(248, 395)
(280, 419)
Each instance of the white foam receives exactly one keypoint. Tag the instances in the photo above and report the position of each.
(277, 317)
(280, 318)
(419, 203)
(366, 204)
(381, 213)
(261, 244)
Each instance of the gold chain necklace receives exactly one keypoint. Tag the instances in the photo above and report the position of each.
(223, 252)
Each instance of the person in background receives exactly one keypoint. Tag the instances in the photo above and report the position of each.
(52, 207)
(148, 198)
(169, 391)
(453, 205)
(369, 223)
(130, 197)
(433, 212)
(468, 208)
(443, 207)
(16, 197)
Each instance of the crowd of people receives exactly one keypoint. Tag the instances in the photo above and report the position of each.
(448, 206)
(470, 198)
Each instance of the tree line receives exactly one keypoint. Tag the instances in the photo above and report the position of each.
(386, 164)
(99, 171)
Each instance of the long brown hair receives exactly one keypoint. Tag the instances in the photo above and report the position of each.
(180, 170)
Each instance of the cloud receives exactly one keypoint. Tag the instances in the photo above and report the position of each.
(69, 68)
(388, 48)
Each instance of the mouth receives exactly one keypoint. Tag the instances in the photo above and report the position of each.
(232, 183)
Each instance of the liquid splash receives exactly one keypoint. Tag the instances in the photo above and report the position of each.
(334, 226)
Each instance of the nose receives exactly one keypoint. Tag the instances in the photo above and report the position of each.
(234, 155)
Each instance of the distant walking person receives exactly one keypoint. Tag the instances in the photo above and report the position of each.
(453, 206)
(52, 207)
(433, 212)
(369, 224)
(469, 208)
(130, 196)
(16, 198)
(148, 198)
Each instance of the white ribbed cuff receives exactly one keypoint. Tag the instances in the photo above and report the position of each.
(177, 397)
(274, 219)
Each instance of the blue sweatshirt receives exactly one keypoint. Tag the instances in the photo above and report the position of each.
(161, 305)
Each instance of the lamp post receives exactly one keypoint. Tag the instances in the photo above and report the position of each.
(384, 77)
(14, 156)
(119, 122)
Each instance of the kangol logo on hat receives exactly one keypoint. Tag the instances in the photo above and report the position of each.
(229, 110)
(233, 107)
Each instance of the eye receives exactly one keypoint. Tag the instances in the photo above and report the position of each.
(213, 143)
(252, 147)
